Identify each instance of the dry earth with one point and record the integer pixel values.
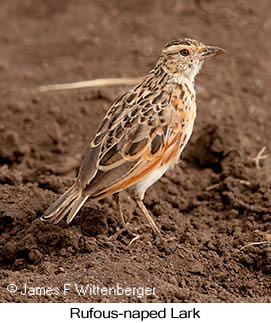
(214, 203)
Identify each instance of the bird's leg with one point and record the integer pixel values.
(119, 210)
(148, 216)
(122, 221)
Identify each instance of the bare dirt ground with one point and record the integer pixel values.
(208, 208)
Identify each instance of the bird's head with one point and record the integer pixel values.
(183, 58)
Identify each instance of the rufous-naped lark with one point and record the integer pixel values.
(142, 135)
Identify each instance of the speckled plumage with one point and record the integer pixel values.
(143, 133)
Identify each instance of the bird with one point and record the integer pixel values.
(142, 134)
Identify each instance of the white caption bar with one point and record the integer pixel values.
(146, 312)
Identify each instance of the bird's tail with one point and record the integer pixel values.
(68, 204)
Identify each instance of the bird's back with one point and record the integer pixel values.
(144, 129)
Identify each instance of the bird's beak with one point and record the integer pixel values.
(210, 51)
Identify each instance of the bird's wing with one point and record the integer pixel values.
(140, 132)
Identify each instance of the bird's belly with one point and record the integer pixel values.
(140, 187)
(146, 182)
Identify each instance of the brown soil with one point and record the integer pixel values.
(209, 207)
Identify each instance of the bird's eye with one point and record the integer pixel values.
(184, 52)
